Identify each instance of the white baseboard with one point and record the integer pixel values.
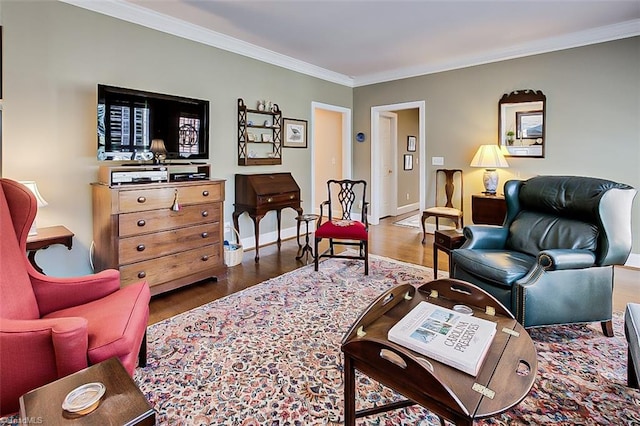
(408, 208)
(633, 261)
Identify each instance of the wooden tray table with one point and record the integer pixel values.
(504, 380)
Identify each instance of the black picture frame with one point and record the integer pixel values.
(408, 161)
(411, 143)
(294, 133)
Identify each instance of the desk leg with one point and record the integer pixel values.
(256, 230)
(279, 217)
(349, 392)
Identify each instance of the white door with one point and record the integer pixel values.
(388, 137)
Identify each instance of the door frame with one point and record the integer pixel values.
(375, 153)
(347, 168)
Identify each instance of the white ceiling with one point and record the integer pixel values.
(358, 42)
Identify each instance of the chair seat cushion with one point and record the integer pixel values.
(449, 211)
(343, 229)
(114, 321)
(500, 266)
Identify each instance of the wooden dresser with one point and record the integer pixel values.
(139, 230)
(260, 193)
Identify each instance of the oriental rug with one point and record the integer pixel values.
(270, 355)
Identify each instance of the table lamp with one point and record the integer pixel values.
(490, 158)
(31, 185)
(159, 151)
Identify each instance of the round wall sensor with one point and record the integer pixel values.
(360, 137)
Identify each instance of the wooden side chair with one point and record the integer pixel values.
(340, 227)
(445, 177)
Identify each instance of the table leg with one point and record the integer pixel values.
(256, 230)
(435, 261)
(32, 259)
(279, 217)
(349, 393)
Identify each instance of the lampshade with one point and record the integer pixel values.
(157, 146)
(490, 158)
(31, 185)
(34, 188)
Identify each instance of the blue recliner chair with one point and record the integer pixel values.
(552, 260)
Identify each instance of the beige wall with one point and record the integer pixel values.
(593, 115)
(55, 54)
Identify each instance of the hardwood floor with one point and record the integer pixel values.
(386, 239)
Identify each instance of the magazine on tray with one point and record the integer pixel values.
(456, 339)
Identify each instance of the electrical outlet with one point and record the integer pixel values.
(437, 161)
(407, 195)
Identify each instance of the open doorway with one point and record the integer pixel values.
(379, 117)
(330, 148)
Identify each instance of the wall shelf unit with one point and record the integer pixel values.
(259, 135)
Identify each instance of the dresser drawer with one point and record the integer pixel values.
(165, 219)
(163, 198)
(175, 266)
(147, 246)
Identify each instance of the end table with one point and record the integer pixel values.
(445, 240)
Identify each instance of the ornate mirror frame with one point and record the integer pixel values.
(521, 123)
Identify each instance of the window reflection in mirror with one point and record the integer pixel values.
(521, 123)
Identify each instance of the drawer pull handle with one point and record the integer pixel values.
(205, 193)
(141, 222)
(142, 274)
(205, 213)
(140, 247)
(205, 235)
(142, 200)
(269, 200)
(205, 258)
(291, 197)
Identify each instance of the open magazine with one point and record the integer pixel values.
(456, 339)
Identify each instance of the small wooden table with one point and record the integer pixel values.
(504, 380)
(306, 249)
(46, 237)
(122, 404)
(445, 240)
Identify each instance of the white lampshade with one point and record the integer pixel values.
(31, 185)
(490, 158)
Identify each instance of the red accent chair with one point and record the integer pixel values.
(53, 327)
(340, 228)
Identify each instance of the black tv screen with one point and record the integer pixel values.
(128, 120)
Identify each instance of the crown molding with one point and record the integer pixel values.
(147, 18)
(583, 38)
(133, 13)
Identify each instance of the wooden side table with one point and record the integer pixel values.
(122, 404)
(488, 209)
(46, 237)
(306, 249)
(445, 240)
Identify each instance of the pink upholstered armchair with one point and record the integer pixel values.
(52, 327)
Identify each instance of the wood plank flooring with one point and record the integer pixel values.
(397, 242)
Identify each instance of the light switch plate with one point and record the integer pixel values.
(437, 161)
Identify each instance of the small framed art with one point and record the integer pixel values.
(408, 161)
(295, 133)
(411, 143)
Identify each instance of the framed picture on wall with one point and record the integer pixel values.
(408, 161)
(295, 133)
(411, 143)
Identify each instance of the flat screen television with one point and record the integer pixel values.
(129, 120)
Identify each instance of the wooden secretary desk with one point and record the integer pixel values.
(260, 193)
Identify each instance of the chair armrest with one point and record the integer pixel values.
(555, 260)
(485, 237)
(54, 294)
(35, 345)
(322, 204)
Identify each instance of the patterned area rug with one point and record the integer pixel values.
(271, 355)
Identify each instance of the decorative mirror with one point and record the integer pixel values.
(521, 119)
